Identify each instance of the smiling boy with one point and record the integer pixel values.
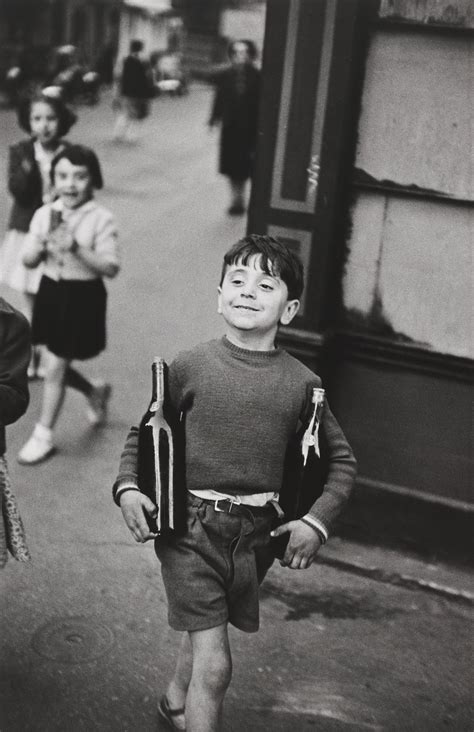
(242, 400)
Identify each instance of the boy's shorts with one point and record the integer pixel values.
(213, 572)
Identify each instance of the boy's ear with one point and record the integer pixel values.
(291, 308)
(219, 292)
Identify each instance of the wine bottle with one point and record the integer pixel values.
(159, 477)
(305, 469)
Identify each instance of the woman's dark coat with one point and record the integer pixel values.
(135, 80)
(236, 108)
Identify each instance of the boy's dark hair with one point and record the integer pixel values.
(276, 259)
(136, 46)
(66, 117)
(80, 155)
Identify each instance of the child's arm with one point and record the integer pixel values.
(217, 105)
(309, 533)
(127, 495)
(22, 176)
(14, 359)
(104, 257)
(34, 248)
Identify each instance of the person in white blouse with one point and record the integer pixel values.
(76, 240)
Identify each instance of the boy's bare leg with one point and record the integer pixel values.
(211, 675)
(178, 687)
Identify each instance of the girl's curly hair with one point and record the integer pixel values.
(66, 117)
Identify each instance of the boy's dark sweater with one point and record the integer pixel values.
(241, 408)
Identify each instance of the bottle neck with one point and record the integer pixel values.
(158, 384)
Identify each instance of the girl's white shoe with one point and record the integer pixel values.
(39, 447)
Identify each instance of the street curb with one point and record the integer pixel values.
(400, 580)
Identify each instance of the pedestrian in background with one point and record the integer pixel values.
(76, 238)
(235, 107)
(241, 400)
(135, 88)
(14, 397)
(47, 119)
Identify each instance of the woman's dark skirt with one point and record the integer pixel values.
(237, 152)
(69, 317)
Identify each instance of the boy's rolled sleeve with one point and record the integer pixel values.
(341, 474)
(127, 477)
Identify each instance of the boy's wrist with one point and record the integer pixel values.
(122, 489)
(317, 526)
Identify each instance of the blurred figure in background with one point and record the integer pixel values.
(235, 107)
(46, 119)
(135, 88)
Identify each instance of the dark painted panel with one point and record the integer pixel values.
(408, 429)
(303, 96)
(332, 223)
(328, 224)
(272, 72)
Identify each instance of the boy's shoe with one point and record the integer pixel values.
(39, 447)
(98, 403)
(167, 714)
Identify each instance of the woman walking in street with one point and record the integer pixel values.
(235, 107)
(77, 239)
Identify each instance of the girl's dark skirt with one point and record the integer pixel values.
(69, 317)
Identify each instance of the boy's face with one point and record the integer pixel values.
(72, 183)
(253, 301)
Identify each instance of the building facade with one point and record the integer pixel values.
(378, 92)
(37, 26)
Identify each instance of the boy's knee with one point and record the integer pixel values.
(214, 673)
(217, 677)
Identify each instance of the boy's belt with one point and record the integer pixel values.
(227, 505)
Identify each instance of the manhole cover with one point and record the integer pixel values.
(72, 640)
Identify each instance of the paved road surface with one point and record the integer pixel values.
(84, 642)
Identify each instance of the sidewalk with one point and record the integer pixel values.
(398, 568)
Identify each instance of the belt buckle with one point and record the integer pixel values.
(221, 510)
